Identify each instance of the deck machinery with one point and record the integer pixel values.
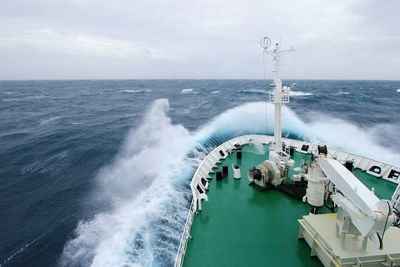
(342, 238)
(363, 231)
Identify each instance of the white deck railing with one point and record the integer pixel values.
(212, 158)
(185, 235)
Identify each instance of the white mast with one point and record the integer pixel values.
(280, 95)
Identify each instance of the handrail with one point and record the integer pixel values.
(244, 139)
(185, 235)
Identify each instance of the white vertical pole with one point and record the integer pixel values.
(278, 128)
(278, 105)
(278, 97)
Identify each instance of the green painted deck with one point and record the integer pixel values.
(243, 225)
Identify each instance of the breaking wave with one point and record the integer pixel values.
(187, 91)
(147, 184)
(300, 93)
(261, 91)
(135, 91)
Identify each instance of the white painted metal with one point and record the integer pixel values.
(349, 185)
(279, 96)
(396, 198)
(185, 235)
(316, 182)
(212, 158)
(360, 211)
(319, 232)
(236, 172)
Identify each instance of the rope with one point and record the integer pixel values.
(293, 64)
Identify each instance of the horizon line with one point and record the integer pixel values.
(133, 79)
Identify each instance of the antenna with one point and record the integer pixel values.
(265, 42)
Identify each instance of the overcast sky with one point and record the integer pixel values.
(135, 39)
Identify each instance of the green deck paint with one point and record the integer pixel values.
(244, 225)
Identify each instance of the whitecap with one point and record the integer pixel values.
(187, 91)
(135, 91)
(300, 93)
(130, 115)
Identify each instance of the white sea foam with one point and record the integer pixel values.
(398, 90)
(300, 93)
(140, 185)
(187, 91)
(135, 91)
(146, 182)
(259, 148)
(130, 115)
(215, 92)
(261, 91)
(322, 129)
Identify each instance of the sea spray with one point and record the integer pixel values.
(147, 183)
(147, 186)
(322, 129)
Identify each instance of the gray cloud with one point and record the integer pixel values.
(196, 39)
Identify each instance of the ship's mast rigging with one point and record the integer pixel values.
(280, 94)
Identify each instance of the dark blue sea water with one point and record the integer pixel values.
(97, 172)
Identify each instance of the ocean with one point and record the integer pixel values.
(97, 172)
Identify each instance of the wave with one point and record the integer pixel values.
(146, 188)
(194, 107)
(43, 122)
(147, 183)
(398, 90)
(135, 91)
(342, 93)
(52, 165)
(252, 91)
(22, 249)
(187, 91)
(215, 92)
(261, 91)
(300, 93)
(130, 115)
(17, 99)
(27, 245)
